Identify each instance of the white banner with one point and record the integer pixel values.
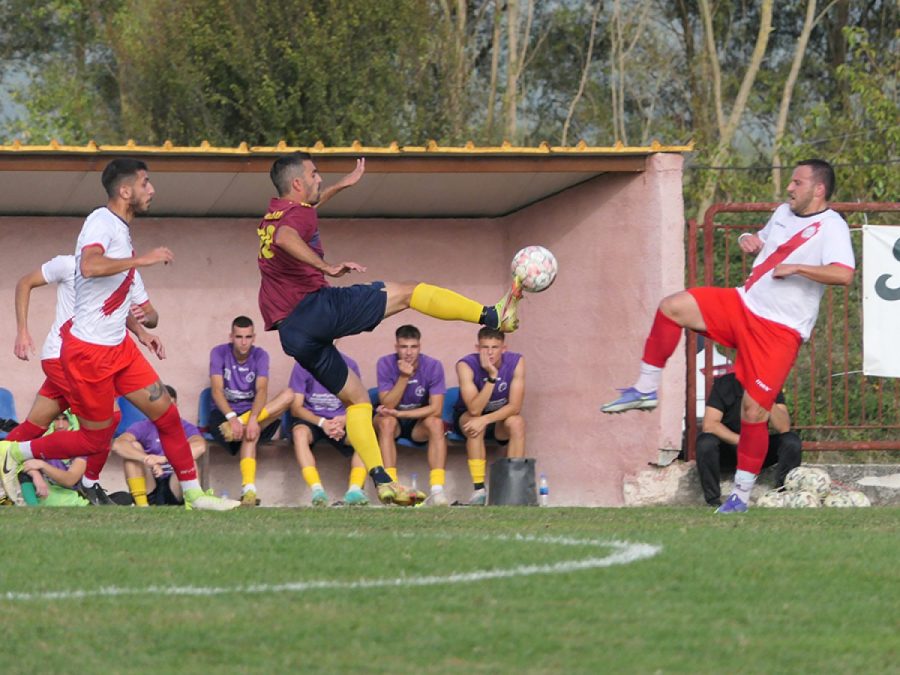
(881, 300)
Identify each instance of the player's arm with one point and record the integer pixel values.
(301, 412)
(259, 402)
(351, 178)
(24, 344)
(146, 314)
(475, 400)
(391, 398)
(712, 424)
(831, 275)
(290, 241)
(126, 446)
(65, 477)
(95, 264)
(780, 418)
(149, 340)
(516, 396)
(198, 445)
(434, 408)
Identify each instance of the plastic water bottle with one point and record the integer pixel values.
(543, 491)
(414, 481)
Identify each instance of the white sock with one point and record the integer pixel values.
(316, 486)
(246, 488)
(25, 449)
(87, 482)
(437, 488)
(190, 485)
(743, 484)
(649, 379)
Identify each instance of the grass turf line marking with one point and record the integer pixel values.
(623, 553)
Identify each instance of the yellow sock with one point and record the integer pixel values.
(392, 472)
(248, 471)
(357, 477)
(437, 477)
(311, 475)
(445, 304)
(138, 488)
(263, 415)
(477, 469)
(361, 434)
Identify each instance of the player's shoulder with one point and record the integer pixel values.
(59, 268)
(350, 361)
(285, 212)
(430, 361)
(832, 217)
(387, 359)
(468, 359)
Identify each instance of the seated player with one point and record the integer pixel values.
(318, 414)
(239, 381)
(717, 444)
(411, 390)
(491, 392)
(52, 482)
(140, 448)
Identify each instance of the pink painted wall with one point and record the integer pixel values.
(619, 241)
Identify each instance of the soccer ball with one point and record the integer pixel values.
(773, 499)
(536, 267)
(810, 479)
(839, 500)
(792, 480)
(801, 500)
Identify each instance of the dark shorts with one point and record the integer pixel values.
(406, 429)
(162, 494)
(341, 446)
(309, 331)
(488, 432)
(234, 447)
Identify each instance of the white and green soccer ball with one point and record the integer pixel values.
(801, 500)
(808, 479)
(536, 267)
(774, 499)
(839, 500)
(859, 498)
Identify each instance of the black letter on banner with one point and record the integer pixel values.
(881, 287)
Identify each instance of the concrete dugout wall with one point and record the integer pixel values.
(619, 241)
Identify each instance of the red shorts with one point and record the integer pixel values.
(766, 350)
(56, 386)
(96, 373)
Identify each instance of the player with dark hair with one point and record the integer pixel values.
(295, 299)
(491, 393)
(804, 247)
(98, 358)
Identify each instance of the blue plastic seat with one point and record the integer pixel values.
(450, 399)
(130, 415)
(7, 408)
(203, 408)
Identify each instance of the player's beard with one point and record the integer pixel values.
(140, 208)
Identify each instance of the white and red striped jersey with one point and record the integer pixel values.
(793, 301)
(60, 271)
(102, 303)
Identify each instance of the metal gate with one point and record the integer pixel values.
(832, 404)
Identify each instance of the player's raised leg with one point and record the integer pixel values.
(675, 312)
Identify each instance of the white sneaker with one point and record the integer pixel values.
(207, 501)
(478, 498)
(437, 499)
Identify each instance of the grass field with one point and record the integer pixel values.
(493, 590)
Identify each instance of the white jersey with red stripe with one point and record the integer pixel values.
(793, 301)
(60, 271)
(102, 303)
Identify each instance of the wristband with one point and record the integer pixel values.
(321, 422)
(745, 234)
(230, 415)
(492, 380)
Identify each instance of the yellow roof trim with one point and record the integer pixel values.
(357, 148)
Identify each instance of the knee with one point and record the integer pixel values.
(707, 447)
(384, 423)
(516, 426)
(434, 426)
(791, 447)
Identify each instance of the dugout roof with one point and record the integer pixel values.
(401, 181)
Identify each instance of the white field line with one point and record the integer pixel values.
(622, 553)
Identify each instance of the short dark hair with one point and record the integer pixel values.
(242, 322)
(822, 173)
(172, 393)
(488, 333)
(117, 171)
(408, 332)
(280, 173)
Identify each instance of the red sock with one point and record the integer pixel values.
(67, 444)
(25, 432)
(97, 461)
(663, 338)
(175, 444)
(752, 446)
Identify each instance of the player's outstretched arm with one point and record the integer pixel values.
(291, 243)
(95, 264)
(24, 344)
(351, 178)
(831, 275)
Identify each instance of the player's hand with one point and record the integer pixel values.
(139, 314)
(406, 369)
(33, 465)
(474, 426)
(24, 346)
(158, 255)
(343, 268)
(334, 428)
(251, 431)
(750, 244)
(153, 343)
(785, 270)
(386, 412)
(237, 429)
(41, 489)
(485, 361)
(353, 177)
(155, 463)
